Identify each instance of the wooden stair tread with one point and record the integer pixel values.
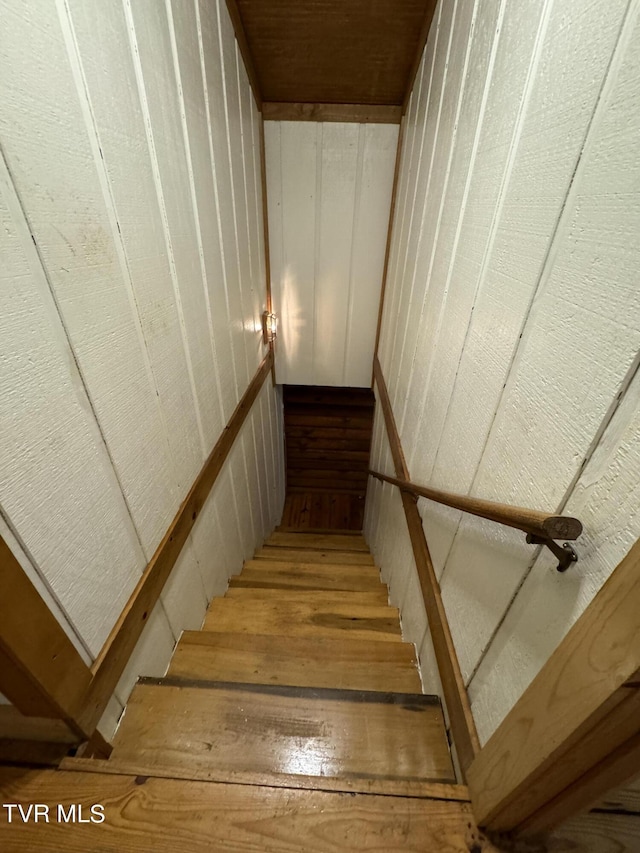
(333, 541)
(273, 730)
(294, 577)
(326, 598)
(306, 580)
(172, 815)
(297, 619)
(296, 555)
(299, 661)
(282, 528)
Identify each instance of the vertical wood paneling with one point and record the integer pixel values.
(152, 406)
(59, 490)
(329, 191)
(155, 73)
(228, 283)
(512, 324)
(241, 294)
(187, 46)
(398, 243)
(133, 282)
(335, 215)
(376, 149)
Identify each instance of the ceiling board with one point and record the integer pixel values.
(334, 51)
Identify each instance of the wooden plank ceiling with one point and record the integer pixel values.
(335, 51)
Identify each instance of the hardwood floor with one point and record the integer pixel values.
(328, 440)
(292, 722)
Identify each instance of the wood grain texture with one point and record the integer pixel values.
(360, 113)
(580, 692)
(304, 662)
(329, 187)
(266, 573)
(310, 510)
(322, 597)
(318, 541)
(42, 673)
(328, 556)
(337, 53)
(596, 833)
(233, 817)
(287, 731)
(369, 622)
(531, 521)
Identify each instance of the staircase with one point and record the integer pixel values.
(293, 721)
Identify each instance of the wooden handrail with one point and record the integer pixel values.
(539, 524)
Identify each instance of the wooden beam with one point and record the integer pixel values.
(619, 767)
(455, 695)
(387, 251)
(558, 744)
(125, 634)
(245, 51)
(41, 672)
(422, 40)
(360, 113)
(529, 520)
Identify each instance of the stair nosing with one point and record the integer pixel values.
(425, 700)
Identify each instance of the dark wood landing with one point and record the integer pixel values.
(322, 511)
(328, 440)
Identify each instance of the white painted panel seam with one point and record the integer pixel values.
(50, 304)
(163, 212)
(73, 51)
(316, 247)
(196, 215)
(356, 214)
(506, 176)
(20, 551)
(413, 205)
(230, 162)
(463, 204)
(223, 259)
(617, 58)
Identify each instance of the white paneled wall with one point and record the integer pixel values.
(511, 328)
(329, 191)
(132, 285)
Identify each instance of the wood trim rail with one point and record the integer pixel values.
(110, 664)
(529, 520)
(41, 671)
(360, 113)
(575, 731)
(455, 695)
